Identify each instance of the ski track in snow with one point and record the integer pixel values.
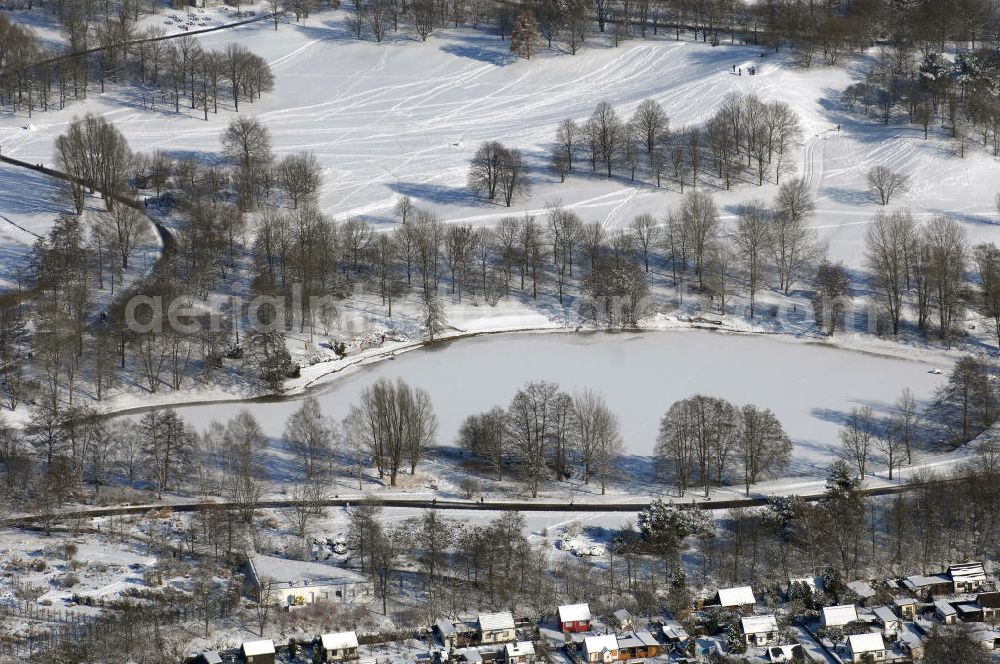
(404, 117)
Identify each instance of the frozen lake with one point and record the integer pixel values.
(810, 386)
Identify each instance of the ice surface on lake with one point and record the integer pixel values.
(811, 387)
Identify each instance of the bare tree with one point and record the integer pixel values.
(310, 435)
(793, 243)
(385, 263)
(127, 228)
(987, 260)
(762, 444)
(697, 436)
(567, 136)
(300, 175)
(166, 447)
(94, 154)
(513, 181)
(484, 173)
(598, 437)
(396, 422)
(701, 220)
(646, 233)
(243, 447)
(529, 425)
(944, 256)
(903, 422)
(885, 183)
(889, 243)
(404, 207)
(966, 404)
(605, 132)
(263, 600)
(652, 125)
(752, 239)
(246, 143)
(424, 14)
(307, 501)
(387, 548)
(857, 437)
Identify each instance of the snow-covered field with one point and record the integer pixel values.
(404, 117)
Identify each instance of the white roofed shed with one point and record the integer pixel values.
(838, 616)
(740, 596)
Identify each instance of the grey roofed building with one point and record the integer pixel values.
(639, 639)
(624, 618)
(675, 632)
(928, 586)
(297, 582)
(967, 577)
(945, 612)
(862, 589)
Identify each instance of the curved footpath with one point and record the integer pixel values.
(166, 238)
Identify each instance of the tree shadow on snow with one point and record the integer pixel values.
(474, 47)
(848, 196)
(331, 30)
(27, 192)
(978, 220)
(437, 193)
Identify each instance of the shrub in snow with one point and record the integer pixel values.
(666, 522)
(470, 486)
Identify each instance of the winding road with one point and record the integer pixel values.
(431, 503)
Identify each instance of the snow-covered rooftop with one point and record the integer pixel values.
(759, 624)
(967, 573)
(495, 621)
(622, 615)
(860, 643)
(885, 615)
(445, 627)
(574, 612)
(740, 596)
(922, 581)
(862, 589)
(519, 649)
(339, 640)
(944, 608)
(675, 632)
(838, 616)
(636, 639)
(260, 647)
(301, 573)
(596, 644)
